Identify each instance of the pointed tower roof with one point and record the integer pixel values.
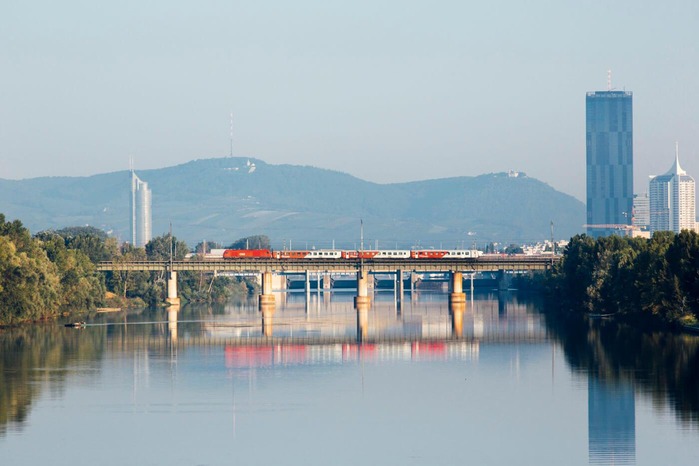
(676, 169)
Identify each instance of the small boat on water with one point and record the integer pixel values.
(75, 324)
(107, 309)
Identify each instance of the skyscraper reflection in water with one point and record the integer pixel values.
(611, 422)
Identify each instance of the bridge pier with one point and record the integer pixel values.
(307, 284)
(362, 289)
(172, 298)
(456, 285)
(400, 285)
(327, 281)
(266, 296)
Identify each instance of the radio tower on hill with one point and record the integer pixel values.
(231, 153)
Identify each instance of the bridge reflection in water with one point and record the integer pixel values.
(425, 321)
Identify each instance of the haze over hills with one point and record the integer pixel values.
(224, 199)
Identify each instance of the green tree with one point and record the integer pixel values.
(159, 248)
(29, 283)
(128, 283)
(514, 249)
(81, 287)
(252, 242)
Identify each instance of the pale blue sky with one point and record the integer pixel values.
(385, 90)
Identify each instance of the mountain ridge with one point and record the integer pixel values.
(222, 199)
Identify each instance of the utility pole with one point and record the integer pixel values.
(361, 234)
(171, 246)
(553, 245)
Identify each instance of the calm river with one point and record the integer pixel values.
(321, 384)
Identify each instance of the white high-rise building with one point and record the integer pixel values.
(641, 211)
(672, 200)
(141, 218)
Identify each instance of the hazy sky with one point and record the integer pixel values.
(385, 90)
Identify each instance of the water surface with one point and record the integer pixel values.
(321, 383)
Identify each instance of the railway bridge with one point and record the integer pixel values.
(267, 267)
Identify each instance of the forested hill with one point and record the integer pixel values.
(227, 198)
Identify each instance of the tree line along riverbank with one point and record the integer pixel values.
(53, 273)
(648, 282)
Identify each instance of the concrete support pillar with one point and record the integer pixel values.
(414, 281)
(400, 285)
(266, 296)
(172, 298)
(362, 288)
(327, 281)
(456, 285)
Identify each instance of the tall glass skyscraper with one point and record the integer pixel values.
(141, 220)
(609, 157)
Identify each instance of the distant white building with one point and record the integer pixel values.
(641, 211)
(141, 216)
(672, 200)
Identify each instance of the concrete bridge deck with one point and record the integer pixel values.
(512, 263)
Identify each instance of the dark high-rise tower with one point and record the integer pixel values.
(609, 140)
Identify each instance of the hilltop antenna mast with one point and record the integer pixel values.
(609, 80)
(231, 153)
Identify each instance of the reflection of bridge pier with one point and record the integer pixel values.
(267, 312)
(172, 323)
(457, 310)
(400, 289)
(503, 296)
(362, 321)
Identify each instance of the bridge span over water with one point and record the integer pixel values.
(465, 265)
(456, 267)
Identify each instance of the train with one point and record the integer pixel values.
(378, 254)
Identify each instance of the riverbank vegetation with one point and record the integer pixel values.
(40, 277)
(618, 356)
(649, 282)
(53, 273)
